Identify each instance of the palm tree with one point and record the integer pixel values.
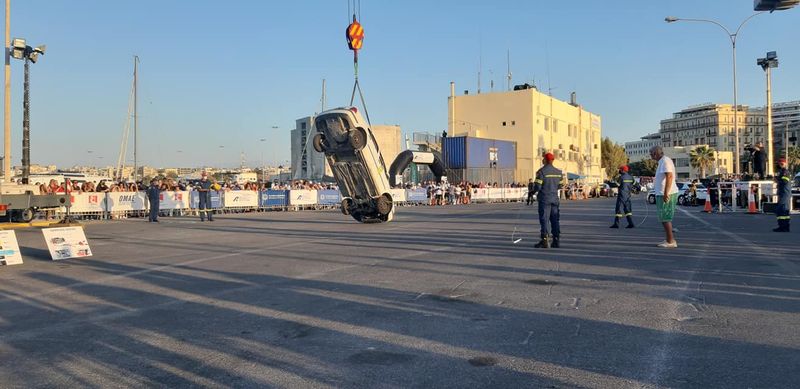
(702, 158)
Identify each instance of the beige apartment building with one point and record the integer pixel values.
(681, 156)
(538, 123)
(712, 125)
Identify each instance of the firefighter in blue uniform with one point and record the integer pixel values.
(624, 198)
(204, 192)
(784, 196)
(154, 198)
(548, 180)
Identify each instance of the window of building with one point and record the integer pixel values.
(513, 122)
(504, 124)
(303, 125)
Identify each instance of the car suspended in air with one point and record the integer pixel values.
(356, 162)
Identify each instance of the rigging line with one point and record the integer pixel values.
(359, 9)
(348, 11)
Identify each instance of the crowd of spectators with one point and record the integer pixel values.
(169, 184)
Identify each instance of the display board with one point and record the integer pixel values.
(66, 242)
(9, 248)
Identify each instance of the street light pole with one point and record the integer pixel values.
(7, 99)
(732, 37)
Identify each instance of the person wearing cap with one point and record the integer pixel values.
(759, 161)
(530, 192)
(784, 179)
(546, 184)
(154, 199)
(204, 189)
(624, 198)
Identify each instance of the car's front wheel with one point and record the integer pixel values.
(346, 204)
(384, 204)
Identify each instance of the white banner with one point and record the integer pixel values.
(422, 157)
(480, 194)
(9, 248)
(88, 202)
(302, 197)
(515, 193)
(66, 242)
(495, 193)
(398, 195)
(126, 201)
(174, 200)
(241, 198)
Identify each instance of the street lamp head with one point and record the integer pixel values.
(40, 49)
(671, 19)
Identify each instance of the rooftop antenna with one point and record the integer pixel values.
(508, 62)
(322, 100)
(480, 64)
(547, 64)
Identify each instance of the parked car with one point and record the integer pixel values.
(353, 155)
(684, 198)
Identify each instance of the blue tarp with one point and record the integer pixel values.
(273, 198)
(328, 197)
(194, 199)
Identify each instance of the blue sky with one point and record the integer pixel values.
(224, 73)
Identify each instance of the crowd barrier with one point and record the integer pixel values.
(123, 204)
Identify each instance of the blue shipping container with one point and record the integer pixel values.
(469, 153)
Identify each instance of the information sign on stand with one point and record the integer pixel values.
(9, 248)
(66, 242)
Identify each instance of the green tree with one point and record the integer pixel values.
(793, 159)
(702, 158)
(645, 167)
(612, 155)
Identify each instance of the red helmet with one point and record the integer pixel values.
(549, 157)
(624, 168)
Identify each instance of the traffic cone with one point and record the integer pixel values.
(707, 207)
(751, 203)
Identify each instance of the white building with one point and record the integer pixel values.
(640, 149)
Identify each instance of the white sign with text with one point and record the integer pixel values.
(66, 242)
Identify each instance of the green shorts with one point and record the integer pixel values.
(666, 211)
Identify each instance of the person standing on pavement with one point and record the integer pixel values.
(784, 179)
(548, 179)
(154, 198)
(204, 194)
(530, 192)
(759, 161)
(666, 194)
(624, 198)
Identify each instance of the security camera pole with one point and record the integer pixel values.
(20, 50)
(767, 63)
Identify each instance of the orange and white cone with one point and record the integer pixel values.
(707, 206)
(751, 203)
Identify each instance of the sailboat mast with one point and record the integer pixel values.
(135, 119)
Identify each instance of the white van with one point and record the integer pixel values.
(353, 155)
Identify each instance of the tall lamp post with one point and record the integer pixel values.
(732, 36)
(20, 50)
(767, 63)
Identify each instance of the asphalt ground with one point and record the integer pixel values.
(440, 297)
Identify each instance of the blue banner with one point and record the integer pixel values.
(216, 199)
(416, 195)
(273, 198)
(328, 197)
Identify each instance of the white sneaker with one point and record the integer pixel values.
(668, 245)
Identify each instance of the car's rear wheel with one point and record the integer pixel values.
(384, 204)
(358, 138)
(319, 143)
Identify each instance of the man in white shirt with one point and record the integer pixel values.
(666, 193)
